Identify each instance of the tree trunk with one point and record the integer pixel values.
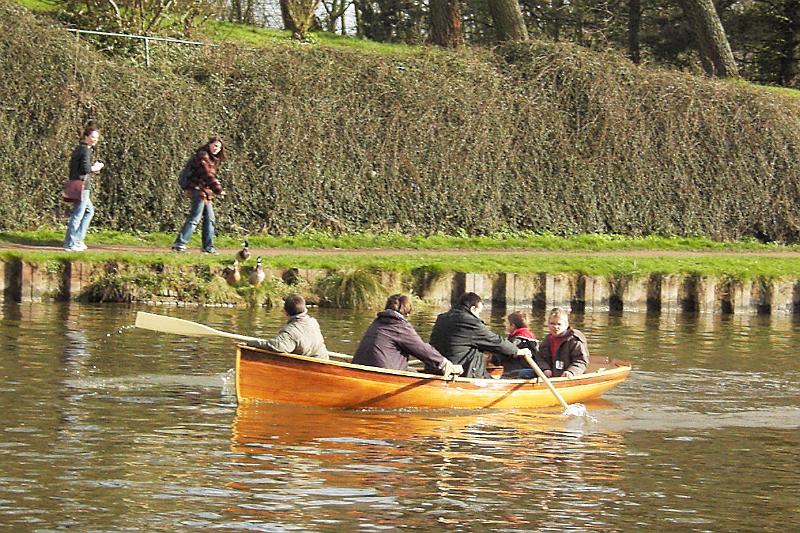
(298, 16)
(508, 22)
(446, 23)
(715, 50)
(790, 52)
(554, 24)
(288, 24)
(236, 7)
(634, 25)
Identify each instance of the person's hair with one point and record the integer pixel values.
(400, 303)
(560, 312)
(88, 130)
(469, 300)
(211, 140)
(518, 319)
(294, 304)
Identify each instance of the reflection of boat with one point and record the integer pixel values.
(299, 380)
(256, 423)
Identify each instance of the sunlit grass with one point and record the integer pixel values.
(154, 248)
(223, 31)
(785, 91)
(391, 240)
(40, 5)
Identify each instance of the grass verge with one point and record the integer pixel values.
(467, 254)
(365, 241)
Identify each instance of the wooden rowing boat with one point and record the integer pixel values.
(294, 379)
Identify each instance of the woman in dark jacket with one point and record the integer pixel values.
(203, 186)
(390, 340)
(81, 167)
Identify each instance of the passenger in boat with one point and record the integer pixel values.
(564, 351)
(301, 335)
(462, 337)
(391, 339)
(522, 337)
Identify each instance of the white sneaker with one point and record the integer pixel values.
(81, 246)
(74, 248)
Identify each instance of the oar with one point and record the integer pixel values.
(179, 326)
(576, 409)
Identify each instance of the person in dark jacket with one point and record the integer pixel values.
(564, 351)
(203, 186)
(462, 337)
(82, 168)
(522, 337)
(390, 340)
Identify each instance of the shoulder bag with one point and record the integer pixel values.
(73, 190)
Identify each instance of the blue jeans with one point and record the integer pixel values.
(79, 219)
(200, 208)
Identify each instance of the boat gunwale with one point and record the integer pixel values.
(600, 375)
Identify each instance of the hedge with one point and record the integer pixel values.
(538, 136)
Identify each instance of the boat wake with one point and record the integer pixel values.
(656, 419)
(222, 381)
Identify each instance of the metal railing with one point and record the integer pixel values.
(145, 38)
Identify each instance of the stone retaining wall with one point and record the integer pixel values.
(21, 281)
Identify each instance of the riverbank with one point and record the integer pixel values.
(621, 275)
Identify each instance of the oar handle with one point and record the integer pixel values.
(547, 382)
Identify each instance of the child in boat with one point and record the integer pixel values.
(564, 351)
(515, 367)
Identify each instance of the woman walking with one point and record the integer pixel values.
(203, 185)
(82, 168)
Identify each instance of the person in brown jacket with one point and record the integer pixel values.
(203, 185)
(564, 351)
(391, 339)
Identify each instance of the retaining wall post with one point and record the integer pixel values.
(559, 290)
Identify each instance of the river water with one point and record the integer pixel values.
(109, 428)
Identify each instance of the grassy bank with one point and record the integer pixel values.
(598, 255)
(398, 241)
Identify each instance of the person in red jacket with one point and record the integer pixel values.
(564, 351)
(391, 339)
(203, 186)
(522, 337)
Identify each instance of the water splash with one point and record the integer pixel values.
(229, 383)
(121, 330)
(578, 410)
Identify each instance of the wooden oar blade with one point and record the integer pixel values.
(179, 326)
(168, 324)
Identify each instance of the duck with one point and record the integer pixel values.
(258, 275)
(231, 273)
(243, 254)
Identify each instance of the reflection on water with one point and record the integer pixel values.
(106, 428)
(411, 468)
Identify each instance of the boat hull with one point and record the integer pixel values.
(263, 376)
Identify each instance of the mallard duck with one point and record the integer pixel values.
(258, 275)
(243, 254)
(231, 273)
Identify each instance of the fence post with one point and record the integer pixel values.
(147, 52)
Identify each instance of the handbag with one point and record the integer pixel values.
(73, 190)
